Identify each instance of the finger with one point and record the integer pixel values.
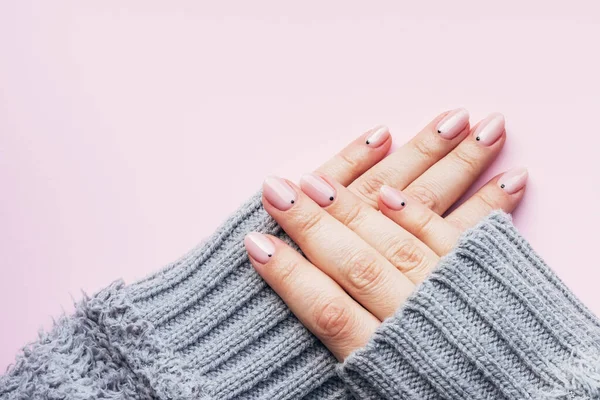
(364, 273)
(447, 180)
(503, 192)
(403, 250)
(411, 160)
(418, 219)
(360, 155)
(316, 300)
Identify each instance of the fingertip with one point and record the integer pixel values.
(435, 121)
(453, 124)
(513, 180)
(490, 130)
(464, 110)
(378, 136)
(392, 198)
(279, 193)
(319, 188)
(259, 246)
(358, 156)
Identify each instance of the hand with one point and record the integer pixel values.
(361, 264)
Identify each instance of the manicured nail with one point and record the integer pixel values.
(453, 123)
(392, 198)
(490, 129)
(378, 135)
(317, 189)
(279, 193)
(259, 247)
(513, 180)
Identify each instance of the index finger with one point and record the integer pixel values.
(317, 300)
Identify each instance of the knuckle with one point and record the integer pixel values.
(425, 195)
(348, 162)
(423, 221)
(353, 216)
(425, 149)
(333, 319)
(466, 161)
(486, 200)
(308, 223)
(364, 272)
(286, 273)
(368, 188)
(406, 255)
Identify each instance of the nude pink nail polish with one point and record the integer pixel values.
(279, 193)
(513, 180)
(490, 129)
(378, 136)
(318, 189)
(392, 198)
(259, 247)
(453, 123)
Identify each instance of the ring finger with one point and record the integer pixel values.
(402, 249)
(447, 180)
(407, 163)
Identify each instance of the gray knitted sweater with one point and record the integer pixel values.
(492, 322)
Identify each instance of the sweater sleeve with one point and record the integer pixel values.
(492, 322)
(204, 327)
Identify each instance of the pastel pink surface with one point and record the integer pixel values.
(130, 130)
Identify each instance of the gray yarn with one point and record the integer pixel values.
(493, 322)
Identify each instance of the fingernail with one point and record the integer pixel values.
(259, 247)
(490, 129)
(279, 193)
(317, 189)
(392, 198)
(453, 123)
(513, 180)
(378, 135)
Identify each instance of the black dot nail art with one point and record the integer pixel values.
(368, 142)
(478, 138)
(292, 201)
(403, 204)
(503, 186)
(331, 198)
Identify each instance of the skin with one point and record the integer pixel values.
(364, 259)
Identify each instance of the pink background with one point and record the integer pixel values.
(130, 129)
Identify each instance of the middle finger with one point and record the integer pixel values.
(407, 163)
(448, 179)
(407, 253)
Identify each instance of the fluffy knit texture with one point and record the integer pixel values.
(492, 322)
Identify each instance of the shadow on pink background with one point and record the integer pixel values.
(130, 130)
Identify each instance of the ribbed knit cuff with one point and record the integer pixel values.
(492, 322)
(208, 327)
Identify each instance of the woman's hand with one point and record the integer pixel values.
(362, 264)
